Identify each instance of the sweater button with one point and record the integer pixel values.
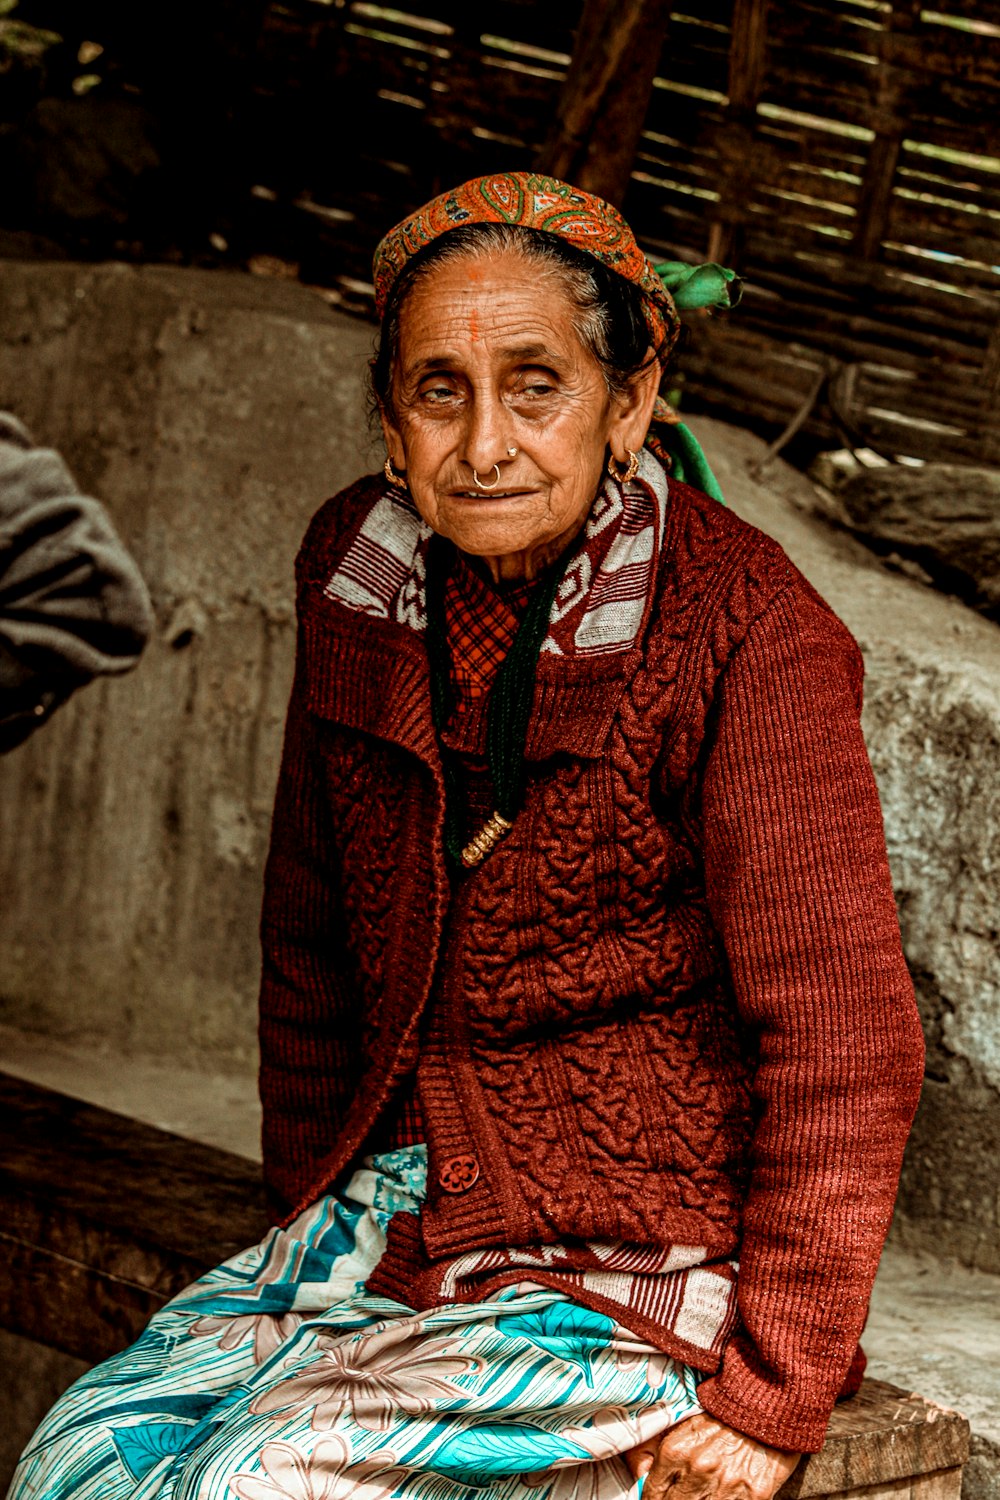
(458, 1174)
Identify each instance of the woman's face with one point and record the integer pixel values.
(489, 360)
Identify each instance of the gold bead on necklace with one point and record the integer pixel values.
(485, 840)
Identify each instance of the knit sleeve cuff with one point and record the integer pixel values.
(767, 1405)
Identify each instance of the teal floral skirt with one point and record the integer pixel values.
(279, 1377)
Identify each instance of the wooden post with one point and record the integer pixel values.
(747, 69)
(875, 199)
(885, 1444)
(604, 99)
(747, 54)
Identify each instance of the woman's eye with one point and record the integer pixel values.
(535, 388)
(436, 394)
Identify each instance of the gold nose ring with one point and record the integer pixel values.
(481, 485)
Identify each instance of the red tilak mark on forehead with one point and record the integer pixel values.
(474, 326)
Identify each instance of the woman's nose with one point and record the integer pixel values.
(487, 438)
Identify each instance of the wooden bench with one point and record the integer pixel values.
(103, 1219)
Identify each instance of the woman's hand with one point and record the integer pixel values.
(702, 1459)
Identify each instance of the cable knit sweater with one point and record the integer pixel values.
(671, 1009)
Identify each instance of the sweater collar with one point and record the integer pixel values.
(367, 665)
(601, 603)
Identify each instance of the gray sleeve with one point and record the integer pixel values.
(73, 604)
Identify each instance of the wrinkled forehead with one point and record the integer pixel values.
(500, 302)
(489, 270)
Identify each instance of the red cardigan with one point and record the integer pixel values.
(671, 1008)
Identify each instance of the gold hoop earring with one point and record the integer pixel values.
(630, 471)
(397, 481)
(481, 485)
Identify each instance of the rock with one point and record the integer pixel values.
(945, 517)
(834, 467)
(213, 413)
(934, 1327)
(89, 165)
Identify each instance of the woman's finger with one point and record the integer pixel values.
(641, 1458)
(667, 1477)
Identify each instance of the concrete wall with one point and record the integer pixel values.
(213, 413)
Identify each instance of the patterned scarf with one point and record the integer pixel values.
(604, 593)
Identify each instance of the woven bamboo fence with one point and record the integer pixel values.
(842, 155)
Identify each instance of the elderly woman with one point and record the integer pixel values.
(588, 1047)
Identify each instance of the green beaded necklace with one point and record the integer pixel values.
(507, 714)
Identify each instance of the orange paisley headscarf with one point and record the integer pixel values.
(533, 202)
